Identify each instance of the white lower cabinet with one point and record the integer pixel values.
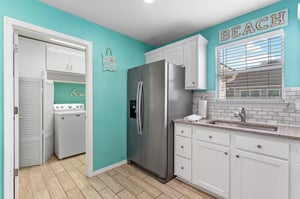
(260, 168)
(183, 152)
(296, 177)
(183, 168)
(235, 165)
(297, 183)
(258, 176)
(211, 167)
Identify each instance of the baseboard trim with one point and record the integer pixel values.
(109, 167)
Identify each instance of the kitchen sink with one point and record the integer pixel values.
(245, 125)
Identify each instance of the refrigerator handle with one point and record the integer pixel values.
(141, 108)
(137, 108)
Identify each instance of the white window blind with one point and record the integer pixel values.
(251, 69)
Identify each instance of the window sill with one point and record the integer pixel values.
(257, 103)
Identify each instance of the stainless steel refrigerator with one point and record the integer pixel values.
(155, 96)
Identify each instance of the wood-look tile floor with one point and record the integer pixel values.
(63, 179)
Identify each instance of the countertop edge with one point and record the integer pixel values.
(286, 132)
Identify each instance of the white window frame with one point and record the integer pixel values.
(249, 92)
(249, 39)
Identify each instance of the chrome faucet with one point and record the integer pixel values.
(241, 114)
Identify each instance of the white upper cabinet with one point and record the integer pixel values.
(195, 63)
(57, 59)
(174, 54)
(63, 59)
(153, 56)
(77, 61)
(189, 53)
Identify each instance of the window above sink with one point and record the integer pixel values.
(252, 68)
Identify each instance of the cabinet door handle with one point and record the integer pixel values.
(193, 82)
(259, 146)
(226, 153)
(237, 156)
(210, 137)
(182, 131)
(181, 147)
(182, 168)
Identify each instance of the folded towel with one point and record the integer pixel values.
(193, 118)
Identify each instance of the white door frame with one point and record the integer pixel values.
(11, 25)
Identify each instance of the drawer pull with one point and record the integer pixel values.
(259, 146)
(210, 137)
(237, 156)
(182, 131)
(226, 153)
(182, 168)
(181, 147)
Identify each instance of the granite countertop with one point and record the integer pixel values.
(283, 131)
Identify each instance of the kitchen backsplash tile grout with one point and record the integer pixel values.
(264, 113)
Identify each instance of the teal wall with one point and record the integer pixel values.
(292, 42)
(62, 93)
(109, 89)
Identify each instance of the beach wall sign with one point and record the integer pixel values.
(269, 22)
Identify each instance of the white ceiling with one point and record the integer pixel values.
(161, 21)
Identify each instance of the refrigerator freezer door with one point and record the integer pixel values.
(154, 120)
(156, 96)
(133, 142)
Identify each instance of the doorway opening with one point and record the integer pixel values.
(12, 30)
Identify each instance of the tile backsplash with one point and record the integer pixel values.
(273, 113)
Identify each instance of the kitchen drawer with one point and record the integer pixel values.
(183, 146)
(211, 135)
(183, 167)
(183, 130)
(263, 146)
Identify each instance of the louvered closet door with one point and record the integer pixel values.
(30, 121)
(48, 100)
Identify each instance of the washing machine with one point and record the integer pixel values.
(69, 133)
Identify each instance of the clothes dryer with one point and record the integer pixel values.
(69, 134)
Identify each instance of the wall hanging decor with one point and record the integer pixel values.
(109, 61)
(77, 93)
